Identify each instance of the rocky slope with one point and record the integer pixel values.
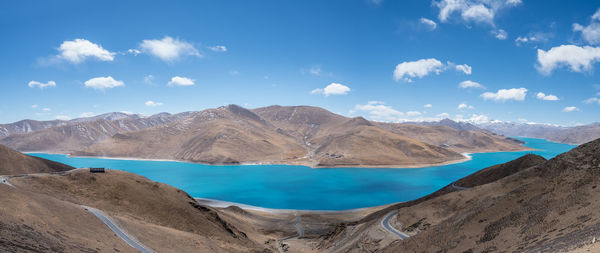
(44, 213)
(526, 205)
(291, 135)
(65, 136)
(13, 163)
(276, 134)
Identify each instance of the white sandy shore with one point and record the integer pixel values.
(224, 204)
(467, 157)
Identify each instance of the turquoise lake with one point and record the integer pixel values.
(300, 187)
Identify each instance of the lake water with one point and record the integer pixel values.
(300, 187)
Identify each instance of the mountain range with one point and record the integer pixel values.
(572, 135)
(529, 204)
(276, 134)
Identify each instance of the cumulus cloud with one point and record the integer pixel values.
(332, 89)
(378, 111)
(428, 106)
(464, 68)
(465, 106)
(78, 50)
(570, 109)
(591, 32)
(87, 114)
(473, 11)
(168, 49)
(63, 117)
(412, 113)
(506, 94)
(430, 24)
(577, 59)
(592, 100)
(408, 70)
(41, 85)
(180, 81)
(500, 34)
(149, 79)
(101, 83)
(475, 119)
(218, 48)
(533, 37)
(151, 103)
(549, 97)
(470, 84)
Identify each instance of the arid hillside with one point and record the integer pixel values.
(66, 136)
(14, 163)
(526, 205)
(297, 135)
(45, 212)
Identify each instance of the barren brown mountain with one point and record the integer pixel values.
(14, 163)
(526, 205)
(297, 135)
(66, 136)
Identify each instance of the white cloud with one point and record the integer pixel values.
(218, 48)
(476, 119)
(470, 84)
(63, 117)
(151, 103)
(465, 106)
(134, 51)
(591, 32)
(548, 97)
(169, 49)
(149, 79)
(578, 59)
(87, 114)
(592, 100)
(431, 25)
(533, 37)
(34, 106)
(379, 111)
(464, 68)
(506, 94)
(46, 109)
(500, 34)
(180, 81)
(476, 11)
(570, 109)
(315, 71)
(428, 106)
(443, 115)
(408, 70)
(332, 89)
(78, 50)
(41, 85)
(412, 113)
(101, 83)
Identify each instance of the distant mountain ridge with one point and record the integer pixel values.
(571, 135)
(275, 134)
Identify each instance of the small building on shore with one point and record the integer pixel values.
(97, 170)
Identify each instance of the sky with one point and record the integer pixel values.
(470, 60)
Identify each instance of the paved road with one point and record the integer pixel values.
(299, 232)
(385, 223)
(118, 231)
(5, 181)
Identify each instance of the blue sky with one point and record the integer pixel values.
(382, 59)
